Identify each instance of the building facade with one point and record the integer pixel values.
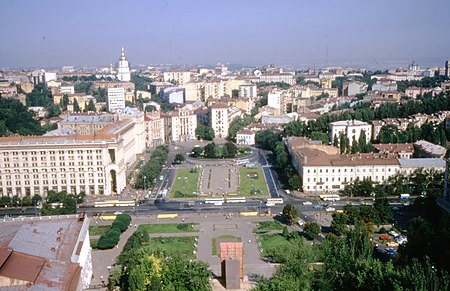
(116, 99)
(351, 129)
(179, 125)
(218, 117)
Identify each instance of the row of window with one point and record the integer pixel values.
(46, 182)
(363, 170)
(46, 176)
(44, 153)
(332, 179)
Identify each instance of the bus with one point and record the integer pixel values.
(235, 199)
(273, 201)
(214, 201)
(330, 197)
(125, 203)
(103, 204)
(241, 162)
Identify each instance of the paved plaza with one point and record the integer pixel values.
(219, 178)
(210, 225)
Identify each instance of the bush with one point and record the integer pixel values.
(184, 227)
(120, 224)
(109, 239)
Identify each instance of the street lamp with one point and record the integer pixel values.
(145, 188)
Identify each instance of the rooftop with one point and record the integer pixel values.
(422, 163)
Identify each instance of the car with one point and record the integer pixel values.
(317, 206)
(395, 208)
(330, 209)
(407, 203)
(307, 203)
(161, 177)
(385, 236)
(392, 244)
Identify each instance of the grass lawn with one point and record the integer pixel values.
(98, 229)
(223, 238)
(170, 245)
(185, 184)
(269, 241)
(266, 226)
(247, 184)
(170, 227)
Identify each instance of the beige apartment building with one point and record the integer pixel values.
(87, 124)
(179, 125)
(181, 77)
(95, 164)
(154, 127)
(218, 117)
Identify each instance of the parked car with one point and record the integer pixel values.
(330, 209)
(307, 203)
(317, 206)
(392, 244)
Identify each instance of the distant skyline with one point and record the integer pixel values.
(365, 33)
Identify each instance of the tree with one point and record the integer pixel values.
(64, 102)
(179, 158)
(323, 137)
(229, 150)
(289, 213)
(204, 132)
(210, 151)
(91, 106)
(312, 229)
(282, 157)
(267, 139)
(197, 152)
(76, 107)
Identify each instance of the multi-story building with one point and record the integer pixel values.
(274, 99)
(355, 87)
(173, 94)
(218, 117)
(247, 90)
(67, 89)
(123, 70)
(180, 77)
(245, 137)
(179, 125)
(49, 253)
(157, 87)
(154, 127)
(94, 164)
(116, 99)
(278, 78)
(87, 124)
(351, 129)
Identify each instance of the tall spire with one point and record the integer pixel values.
(122, 57)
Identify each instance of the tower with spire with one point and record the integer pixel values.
(123, 71)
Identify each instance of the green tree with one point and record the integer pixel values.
(179, 158)
(282, 157)
(323, 137)
(91, 106)
(197, 152)
(230, 149)
(289, 213)
(76, 106)
(312, 229)
(267, 139)
(64, 102)
(204, 132)
(210, 150)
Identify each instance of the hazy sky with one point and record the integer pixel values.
(45, 33)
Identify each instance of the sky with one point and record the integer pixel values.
(297, 33)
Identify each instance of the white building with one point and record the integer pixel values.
(116, 99)
(247, 91)
(123, 70)
(274, 99)
(180, 77)
(49, 76)
(67, 89)
(245, 137)
(218, 117)
(356, 87)
(351, 130)
(173, 94)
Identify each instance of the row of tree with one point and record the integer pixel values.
(434, 133)
(213, 151)
(420, 182)
(204, 132)
(365, 113)
(153, 167)
(270, 140)
(16, 119)
(109, 239)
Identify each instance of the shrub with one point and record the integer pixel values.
(183, 227)
(109, 239)
(120, 224)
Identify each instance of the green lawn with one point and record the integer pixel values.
(170, 245)
(266, 226)
(269, 241)
(170, 227)
(98, 229)
(223, 238)
(247, 184)
(185, 184)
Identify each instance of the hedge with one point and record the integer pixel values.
(109, 239)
